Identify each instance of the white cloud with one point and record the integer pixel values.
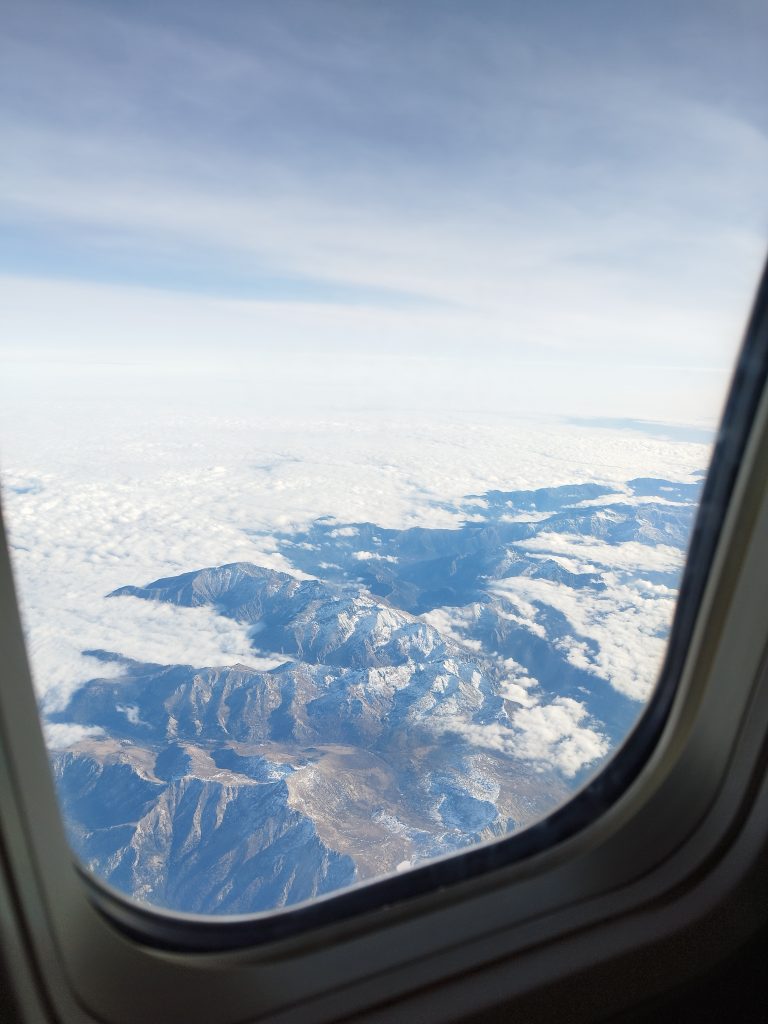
(625, 498)
(527, 614)
(627, 622)
(454, 623)
(518, 684)
(60, 735)
(131, 712)
(368, 556)
(525, 517)
(555, 735)
(140, 630)
(631, 555)
(516, 693)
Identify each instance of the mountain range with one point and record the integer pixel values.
(419, 702)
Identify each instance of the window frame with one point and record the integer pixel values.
(661, 839)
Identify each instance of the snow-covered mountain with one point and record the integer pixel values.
(432, 688)
(310, 620)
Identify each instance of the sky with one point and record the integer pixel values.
(546, 207)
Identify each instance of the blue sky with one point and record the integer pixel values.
(557, 204)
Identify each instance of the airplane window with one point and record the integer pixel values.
(361, 374)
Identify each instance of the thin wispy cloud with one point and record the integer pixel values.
(516, 184)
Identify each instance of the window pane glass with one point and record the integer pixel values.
(360, 372)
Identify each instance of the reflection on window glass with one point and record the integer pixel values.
(361, 369)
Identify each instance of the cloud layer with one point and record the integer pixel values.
(90, 510)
